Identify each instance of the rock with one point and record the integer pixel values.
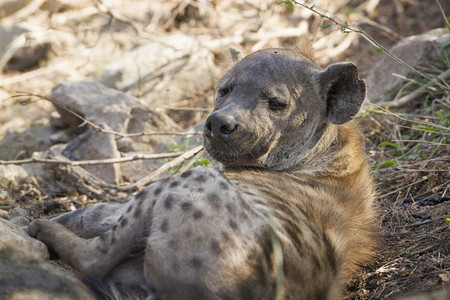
(25, 272)
(165, 72)
(93, 144)
(26, 275)
(20, 143)
(418, 51)
(19, 217)
(13, 235)
(11, 38)
(121, 112)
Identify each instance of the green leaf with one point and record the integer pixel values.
(289, 4)
(393, 145)
(447, 219)
(386, 163)
(378, 49)
(325, 26)
(423, 127)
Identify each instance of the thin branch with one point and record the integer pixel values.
(90, 162)
(388, 112)
(154, 175)
(423, 142)
(345, 27)
(98, 128)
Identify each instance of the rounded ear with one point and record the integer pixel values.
(236, 54)
(343, 90)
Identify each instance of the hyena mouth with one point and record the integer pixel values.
(234, 153)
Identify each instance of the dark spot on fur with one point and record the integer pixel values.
(157, 191)
(165, 225)
(215, 247)
(231, 209)
(130, 207)
(197, 214)
(123, 222)
(214, 199)
(243, 216)
(233, 224)
(113, 240)
(141, 195)
(168, 202)
(196, 262)
(137, 212)
(186, 206)
(174, 244)
(200, 179)
(186, 174)
(103, 250)
(200, 190)
(173, 184)
(114, 228)
(188, 233)
(224, 185)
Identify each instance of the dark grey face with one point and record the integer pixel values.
(273, 105)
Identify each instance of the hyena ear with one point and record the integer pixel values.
(343, 90)
(236, 54)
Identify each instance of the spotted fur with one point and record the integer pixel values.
(290, 217)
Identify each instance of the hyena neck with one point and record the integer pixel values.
(338, 152)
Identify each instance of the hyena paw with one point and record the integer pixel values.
(44, 230)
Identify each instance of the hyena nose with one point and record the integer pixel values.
(221, 125)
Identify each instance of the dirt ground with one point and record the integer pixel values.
(413, 186)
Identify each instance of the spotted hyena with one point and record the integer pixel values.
(290, 217)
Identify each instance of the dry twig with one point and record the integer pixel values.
(97, 127)
(90, 162)
(180, 159)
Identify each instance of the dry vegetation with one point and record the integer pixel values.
(408, 146)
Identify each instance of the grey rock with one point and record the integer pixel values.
(13, 235)
(26, 275)
(91, 145)
(20, 143)
(19, 217)
(424, 50)
(121, 112)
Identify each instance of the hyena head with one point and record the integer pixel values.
(274, 105)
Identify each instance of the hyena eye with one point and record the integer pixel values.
(223, 91)
(276, 104)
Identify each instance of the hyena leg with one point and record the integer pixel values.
(93, 220)
(97, 256)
